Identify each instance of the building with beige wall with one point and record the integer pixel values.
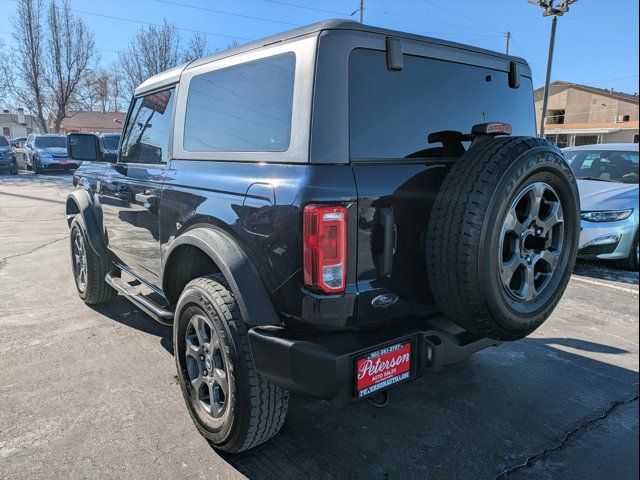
(582, 115)
(85, 121)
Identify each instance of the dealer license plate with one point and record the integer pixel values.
(382, 368)
(63, 161)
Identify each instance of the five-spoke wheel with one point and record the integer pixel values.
(206, 365)
(79, 259)
(531, 241)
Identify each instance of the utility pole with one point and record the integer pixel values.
(508, 40)
(557, 11)
(361, 11)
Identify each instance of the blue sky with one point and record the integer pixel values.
(597, 41)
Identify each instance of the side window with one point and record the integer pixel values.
(146, 137)
(243, 108)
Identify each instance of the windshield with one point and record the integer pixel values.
(3, 142)
(111, 142)
(51, 142)
(604, 165)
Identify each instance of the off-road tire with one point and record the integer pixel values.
(463, 235)
(256, 408)
(631, 262)
(97, 290)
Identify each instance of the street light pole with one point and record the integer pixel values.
(557, 11)
(545, 98)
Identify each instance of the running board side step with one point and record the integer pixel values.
(151, 308)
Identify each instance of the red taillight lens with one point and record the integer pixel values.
(325, 247)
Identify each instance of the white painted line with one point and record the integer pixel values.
(629, 289)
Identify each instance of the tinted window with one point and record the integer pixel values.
(393, 112)
(242, 108)
(3, 142)
(147, 133)
(110, 142)
(604, 165)
(51, 142)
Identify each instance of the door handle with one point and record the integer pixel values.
(147, 200)
(385, 259)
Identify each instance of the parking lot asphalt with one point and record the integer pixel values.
(91, 392)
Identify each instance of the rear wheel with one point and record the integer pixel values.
(503, 237)
(231, 405)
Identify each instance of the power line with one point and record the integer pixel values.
(463, 16)
(345, 14)
(131, 20)
(227, 13)
(614, 79)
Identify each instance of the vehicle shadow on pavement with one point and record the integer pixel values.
(602, 270)
(124, 312)
(475, 419)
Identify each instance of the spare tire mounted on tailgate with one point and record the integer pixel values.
(503, 236)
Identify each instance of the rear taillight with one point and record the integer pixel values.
(325, 247)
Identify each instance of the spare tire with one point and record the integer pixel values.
(503, 236)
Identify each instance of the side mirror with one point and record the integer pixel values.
(85, 147)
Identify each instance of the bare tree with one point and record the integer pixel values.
(26, 77)
(197, 48)
(71, 55)
(152, 50)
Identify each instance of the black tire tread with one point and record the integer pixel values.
(269, 403)
(98, 291)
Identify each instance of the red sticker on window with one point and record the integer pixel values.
(157, 101)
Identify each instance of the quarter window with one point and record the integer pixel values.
(147, 133)
(244, 108)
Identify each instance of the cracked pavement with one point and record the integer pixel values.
(92, 392)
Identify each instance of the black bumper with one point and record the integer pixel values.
(322, 365)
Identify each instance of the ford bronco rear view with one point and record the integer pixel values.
(331, 211)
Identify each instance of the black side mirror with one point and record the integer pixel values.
(84, 146)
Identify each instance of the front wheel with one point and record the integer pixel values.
(89, 268)
(631, 262)
(231, 405)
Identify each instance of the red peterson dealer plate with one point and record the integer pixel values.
(383, 368)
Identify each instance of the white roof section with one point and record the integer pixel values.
(620, 147)
(162, 79)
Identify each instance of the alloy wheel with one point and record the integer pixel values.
(79, 255)
(206, 366)
(531, 241)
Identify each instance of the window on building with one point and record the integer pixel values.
(555, 117)
(6, 131)
(586, 140)
(626, 118)
(562, 141)
(243, 108)
(635, 138)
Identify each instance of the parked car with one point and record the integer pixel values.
(48, 152)
(608, 182)
(7, 157)
(331, 211)
(18, 142)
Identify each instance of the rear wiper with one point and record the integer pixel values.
(596, 179)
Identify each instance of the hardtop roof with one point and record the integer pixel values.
(173, 75)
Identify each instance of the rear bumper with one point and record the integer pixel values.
(323, 365)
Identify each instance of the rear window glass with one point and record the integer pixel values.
(3, 142)
(51, 142)
(242, 108)
(393, 112)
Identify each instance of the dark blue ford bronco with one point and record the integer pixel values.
(331, 211)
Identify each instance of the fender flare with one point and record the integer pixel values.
(82, 201)
(248, 289)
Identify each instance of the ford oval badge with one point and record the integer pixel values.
(384, 301)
